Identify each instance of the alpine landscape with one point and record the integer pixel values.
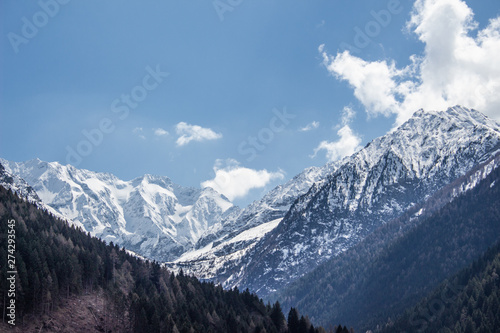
(136, 199)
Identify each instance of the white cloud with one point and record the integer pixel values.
(456, 67)
(347, 145)
(160, 132)
(188, 133)
(372, 81)
(309, 127)
(347, 115)
(235, 181)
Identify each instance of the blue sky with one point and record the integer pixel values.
(236, 94)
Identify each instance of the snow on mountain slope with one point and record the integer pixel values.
(378, 183)
(149, 215)
(18, 185)
(208, 263)
(223, 245)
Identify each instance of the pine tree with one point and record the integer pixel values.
(293, 321)
(277, 316)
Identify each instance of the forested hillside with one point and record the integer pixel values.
(467, 303)
(57, 262)
(401, 262)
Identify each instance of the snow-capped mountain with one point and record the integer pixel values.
(298, 225)
(149, 215)
(224, 244)
(388, 176)
(18, 185)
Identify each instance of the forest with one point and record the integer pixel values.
(466, 303)
(402, 262)
(56, 262)
(435, 273)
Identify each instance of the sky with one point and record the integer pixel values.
(238, 95)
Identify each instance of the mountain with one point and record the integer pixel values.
(149, 215)
(156, 218)
(390, 175)
(224, 244)
(22, 188)
(68, 281)
(315, 216)
(399, 263)
(18, 185)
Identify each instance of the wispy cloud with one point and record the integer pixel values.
(160, 132)
(347, 145)
(457, 66)
(139, 132)
(235, 181)
(348, 142)
(188, 133)
(348, 115)
(309, 127)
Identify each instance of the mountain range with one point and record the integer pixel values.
(315, 216)
(149, 215)
(366, 190)
(398, 264)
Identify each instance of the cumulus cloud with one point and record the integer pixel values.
(235, 181)
(458, 66)
(160, 132)
(309, 127)
(347, 145)
(188, 133)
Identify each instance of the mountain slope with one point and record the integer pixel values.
(68, 281)
(149, 215)
(18, 185)
(469, 302)
(225, 243)
(383, 180)
(404, 259)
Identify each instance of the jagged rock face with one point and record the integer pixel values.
(378, 183)
(149, 215)
(18, 185)
(224, 245)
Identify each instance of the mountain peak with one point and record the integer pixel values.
(149, 215)
(455, 114)
(376, 184)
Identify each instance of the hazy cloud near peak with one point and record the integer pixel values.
(235, 181)
(348, 142)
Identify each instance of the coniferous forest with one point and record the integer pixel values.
(57, 262)
(372, 284)
(466, 303)
(59, 265)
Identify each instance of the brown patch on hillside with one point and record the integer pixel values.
(77, 314)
